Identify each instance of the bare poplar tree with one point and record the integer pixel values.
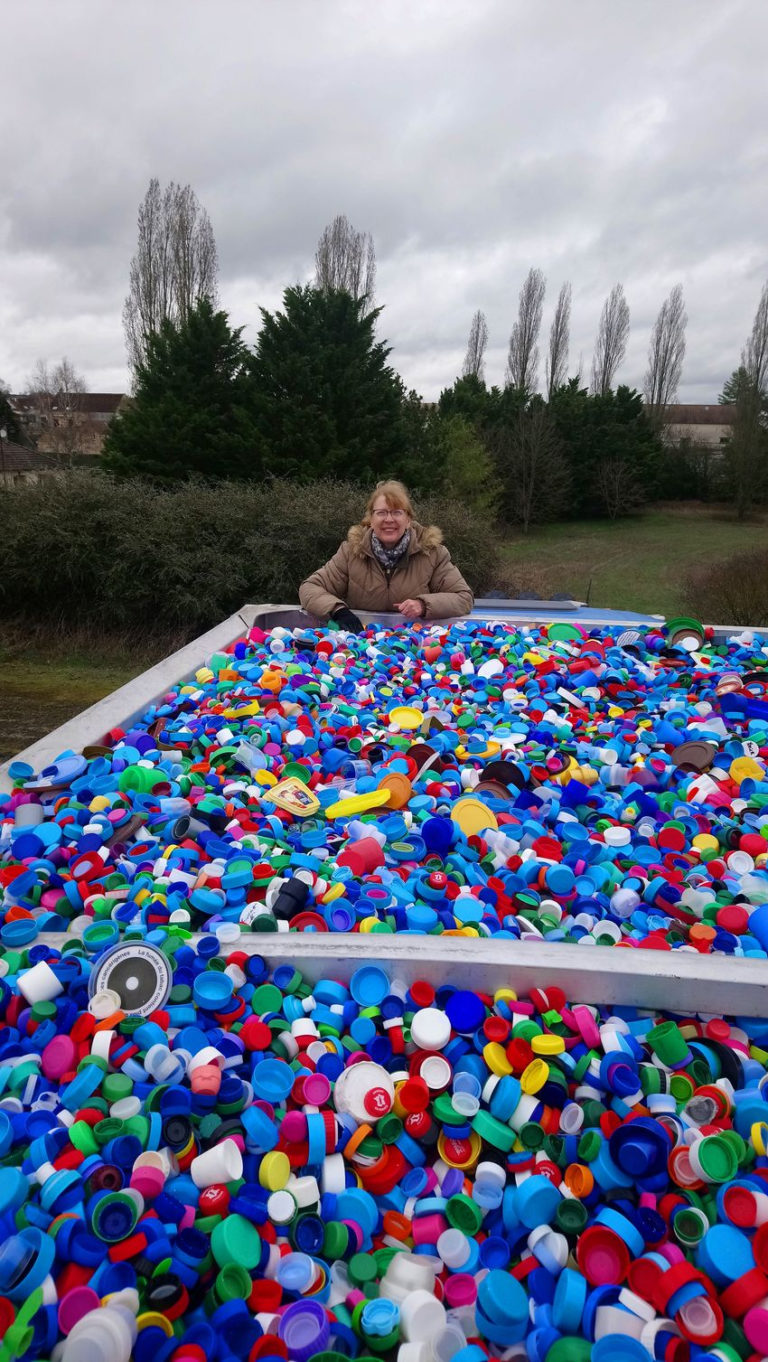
(523, 358)
(346, 259)
(754, 356)
(474, 360)
(175, 264)
(559, 342)
(611, 344)
(666, 353)
(55, 403)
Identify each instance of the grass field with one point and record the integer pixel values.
(634, 564)
(630, 564)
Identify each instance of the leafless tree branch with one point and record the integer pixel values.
(559, 342)
(474, 361)
(346, 259)
(611, 344)
(175, 264)
(754, 356)
(523, 358)
(666, 353)
(55, 394)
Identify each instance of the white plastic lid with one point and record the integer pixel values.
(447, 1342)
(421, 1317)
(430, 1029)
(355, 1084)
(104, 1003)
(281, 1207)
(437, 1073)
(454, 1248)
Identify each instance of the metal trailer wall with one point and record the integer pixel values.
(681, 980)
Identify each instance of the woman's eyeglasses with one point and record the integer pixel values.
(388, 515)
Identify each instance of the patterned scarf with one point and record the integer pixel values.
(390, 557)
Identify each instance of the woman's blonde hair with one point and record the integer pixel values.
(394, 493)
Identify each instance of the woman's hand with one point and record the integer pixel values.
(413, 610)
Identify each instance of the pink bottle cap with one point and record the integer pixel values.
(59, 1057)
(459, 1290)
(148, 1181)
(755, 1325)
(317, 1090)
(77, 1303)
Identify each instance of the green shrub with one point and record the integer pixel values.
(86, 550)
(731, 592)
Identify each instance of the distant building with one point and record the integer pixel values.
(707, 427)
(18, 464)
(61, 424)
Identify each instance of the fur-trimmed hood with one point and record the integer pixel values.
(423, 538)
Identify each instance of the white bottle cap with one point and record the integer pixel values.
(304, 1190)
(333, 1177)
(104, 1003)
(437, 1073)
(447, 1342)
(363, 1091)
(281, 1207)
(222, 1163)
(412, 1352)
(421, 1317)
(430, 1029)
(454, 1248)
(39, 984)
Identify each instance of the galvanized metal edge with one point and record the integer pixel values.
(674, 981)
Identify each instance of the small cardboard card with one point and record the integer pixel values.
(293, 795)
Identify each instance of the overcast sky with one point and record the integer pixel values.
(601, 140)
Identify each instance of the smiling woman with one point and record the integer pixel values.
(389, 562)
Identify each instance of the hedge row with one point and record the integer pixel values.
(83, 549)
(731, 592)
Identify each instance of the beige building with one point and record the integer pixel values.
(707, 427)
(74, 424)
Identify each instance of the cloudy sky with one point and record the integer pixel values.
(601, 140)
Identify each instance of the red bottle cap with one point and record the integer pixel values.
(602, 1256)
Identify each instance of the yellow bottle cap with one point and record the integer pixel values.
(406, 716)
(274, 1171)
(495, 1057)
(535, 1076)
(548, 1045)
(472, 816)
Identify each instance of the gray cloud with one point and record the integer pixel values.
(599, 142)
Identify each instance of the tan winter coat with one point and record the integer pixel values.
(354, 577)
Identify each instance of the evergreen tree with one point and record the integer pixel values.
(606, 432)
(9, 421)
(327, 402)
(192, 412)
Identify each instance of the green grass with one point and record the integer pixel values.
(636, 564)
(48, 676)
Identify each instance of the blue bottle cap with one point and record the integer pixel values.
(620, 1348)
(466, 1011)
(369, 986)
(272, 1080)
(568, 1303)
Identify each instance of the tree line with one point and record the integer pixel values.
(316, 394)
